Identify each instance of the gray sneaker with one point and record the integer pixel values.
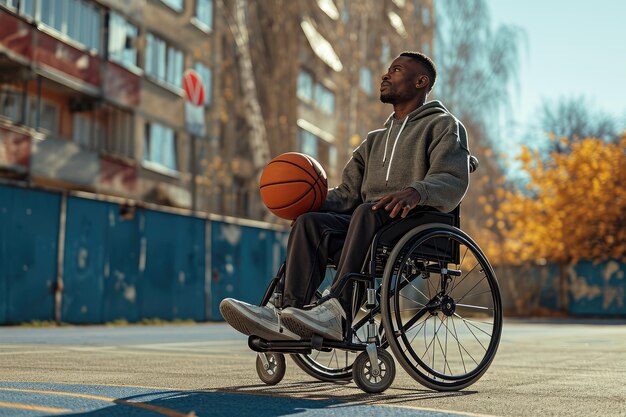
(324, 320)
(259, 321)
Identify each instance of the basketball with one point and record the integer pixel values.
(292, 184)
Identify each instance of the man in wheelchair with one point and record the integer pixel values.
(420, 159)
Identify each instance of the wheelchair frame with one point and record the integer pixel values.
(374, 369)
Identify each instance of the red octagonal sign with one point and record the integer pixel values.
(194, 88)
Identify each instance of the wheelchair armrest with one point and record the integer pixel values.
(473, 163)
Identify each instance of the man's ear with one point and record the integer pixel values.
(422, 81)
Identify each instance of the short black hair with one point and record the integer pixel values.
(426, 62)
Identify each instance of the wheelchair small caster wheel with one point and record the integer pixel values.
(374, 380)
(272, 370)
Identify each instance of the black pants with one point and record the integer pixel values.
(317, 236)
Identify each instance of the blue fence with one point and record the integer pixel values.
(29, 232)
(124, 264)
(598, 289)
(81, 260)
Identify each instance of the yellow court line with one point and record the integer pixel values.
(161, 410)
(64, 394)
(34, 407)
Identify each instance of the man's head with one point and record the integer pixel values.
(412, 74)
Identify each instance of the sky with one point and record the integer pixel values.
(574, 48)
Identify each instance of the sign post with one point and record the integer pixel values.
(194, 121)
(194, 103)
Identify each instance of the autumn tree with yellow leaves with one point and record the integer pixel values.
(573, 207)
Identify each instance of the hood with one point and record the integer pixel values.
(427, 109)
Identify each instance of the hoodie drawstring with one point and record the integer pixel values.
(387, 140)
(393, 149)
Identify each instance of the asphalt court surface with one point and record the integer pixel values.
(43, 399)
(564, 368)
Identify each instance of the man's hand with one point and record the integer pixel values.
(401, 201)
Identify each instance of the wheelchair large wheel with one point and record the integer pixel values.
(441, 307)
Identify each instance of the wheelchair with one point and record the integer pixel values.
(426, 291)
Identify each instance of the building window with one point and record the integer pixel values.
(78, 19)
(174, 4)
(207, 77)
(324, 99)
(27, 7)
(385, 53)
(325, 153)
(10, 3)
(49, 118)
(426, 16)
(204, 14)
(160, 146)
(305, 86)
(345, 13)
(120, 128)
(87, 131)
(163, 61)
(11, 105)
(332, 158)
(314, 92)
(122, 36)
(365, 81)
(307, 143)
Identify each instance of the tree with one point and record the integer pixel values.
(572, 208)
(574, 118)
(477, 68)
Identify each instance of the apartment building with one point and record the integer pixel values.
(91, 93)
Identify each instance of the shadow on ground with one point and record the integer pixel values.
(309, 399)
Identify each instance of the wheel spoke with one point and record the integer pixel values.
(416, 333)
(432, 340)
(445, 357)
(412, 300)
(462, 279)
(473, 325)
(456, 337)
(475, 337)
(476, 307)
(476, 294)
(468, 291)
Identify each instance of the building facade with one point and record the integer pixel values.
(91, 92)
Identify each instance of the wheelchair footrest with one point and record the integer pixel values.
(282, 346)
(303, 347)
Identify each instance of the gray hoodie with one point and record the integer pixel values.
(427, 151)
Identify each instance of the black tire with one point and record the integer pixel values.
(366, 379)
(331, 365)
(276, 371)
(314, 366)
(446, 323)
